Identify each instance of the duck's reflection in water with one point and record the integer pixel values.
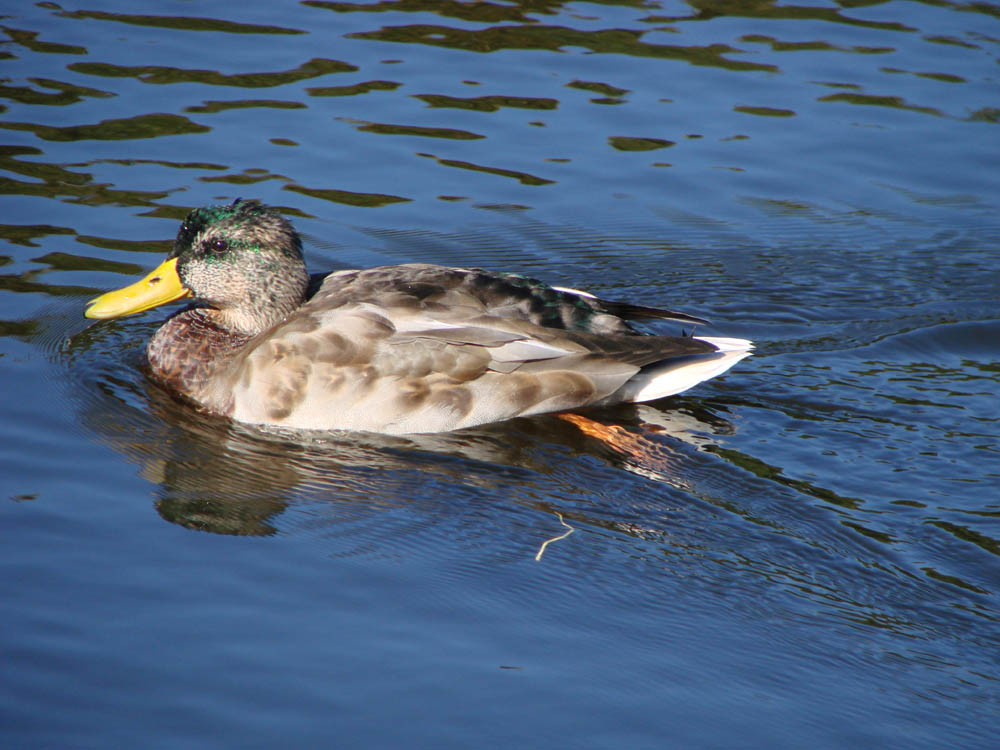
(228, 478)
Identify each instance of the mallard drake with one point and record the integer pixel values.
(397, 349)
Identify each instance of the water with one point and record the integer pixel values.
(801, 553)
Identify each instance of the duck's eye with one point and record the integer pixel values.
(217, 246)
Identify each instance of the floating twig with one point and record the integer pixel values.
(547, 542)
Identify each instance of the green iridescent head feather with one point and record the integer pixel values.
(243, 224)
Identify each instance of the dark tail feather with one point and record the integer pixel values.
(631, 312)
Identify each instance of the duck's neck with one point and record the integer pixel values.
(195, 351)
(273, 301)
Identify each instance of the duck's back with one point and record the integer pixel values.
(501, 295)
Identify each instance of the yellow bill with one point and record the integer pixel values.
(161, 286)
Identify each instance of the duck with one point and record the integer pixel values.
(402, 349)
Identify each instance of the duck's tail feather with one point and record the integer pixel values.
(675, 375)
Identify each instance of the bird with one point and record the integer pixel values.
(402, 349)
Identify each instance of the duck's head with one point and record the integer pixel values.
(243, 259)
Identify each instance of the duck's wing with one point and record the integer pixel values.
(502, 295)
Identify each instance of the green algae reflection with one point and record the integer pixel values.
(129, 128)
(558, 38)
(159, 74)
(182, 23)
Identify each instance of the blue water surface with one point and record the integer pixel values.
(801, 553)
